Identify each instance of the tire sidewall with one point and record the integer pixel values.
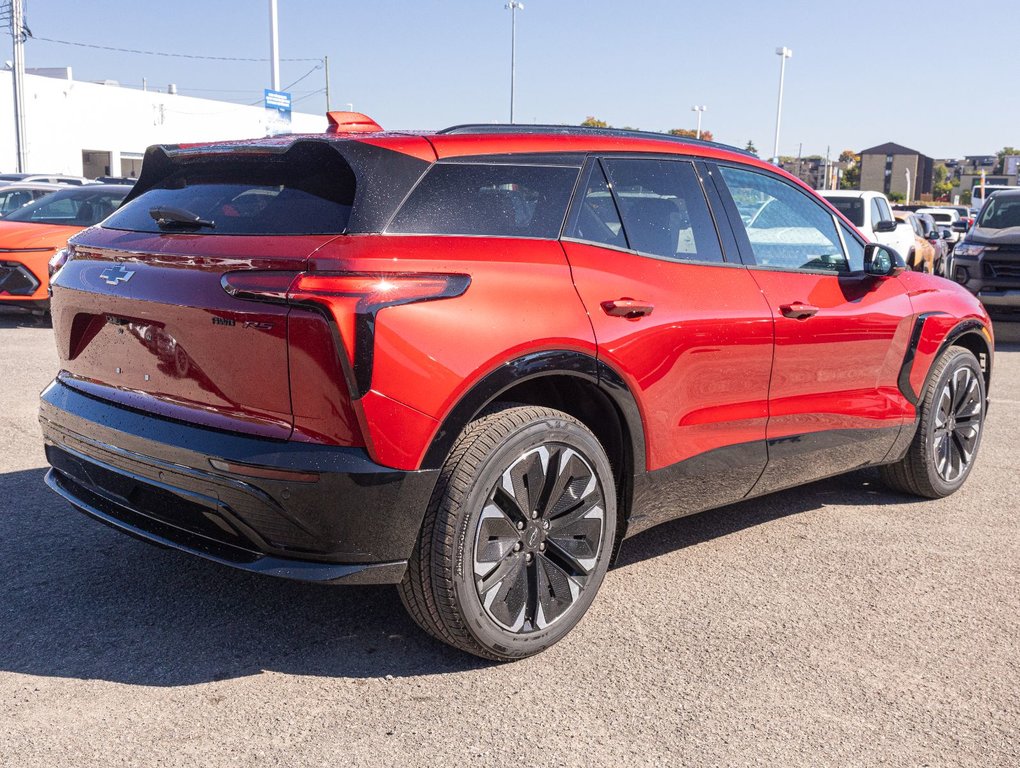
(484, 630)
(962, 359)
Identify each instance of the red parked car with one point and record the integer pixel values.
(472, 362)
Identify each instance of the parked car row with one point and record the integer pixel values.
(37, 220)
(914, 235)
(987, 260)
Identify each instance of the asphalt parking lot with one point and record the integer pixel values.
(836, 624)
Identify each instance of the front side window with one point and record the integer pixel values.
(876, 212)
(664, 209)
(854, 249)
(785, 227)
(883, 209)
(494, 200)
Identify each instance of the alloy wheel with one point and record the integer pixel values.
(538, 538)
(958, 418)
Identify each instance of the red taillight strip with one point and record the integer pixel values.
(372, 291)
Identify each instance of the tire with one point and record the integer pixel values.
(498, 572)
(952, 414)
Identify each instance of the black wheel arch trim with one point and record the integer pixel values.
(961, 329)
(533, 366)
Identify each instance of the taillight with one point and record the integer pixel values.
(351, 300)
(57, 260)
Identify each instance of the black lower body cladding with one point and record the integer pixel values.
(302, 511)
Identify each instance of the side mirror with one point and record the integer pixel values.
(946, 234)
(885, 225)
(882, 261)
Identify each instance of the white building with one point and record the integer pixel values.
(101, 129)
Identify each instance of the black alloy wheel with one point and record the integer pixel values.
(518, 536)
(951, 417)
(538, 538)
(958, 415)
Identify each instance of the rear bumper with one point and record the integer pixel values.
(300, 511)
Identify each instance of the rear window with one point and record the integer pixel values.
(493, 200)
(307, 191)
(851, 207)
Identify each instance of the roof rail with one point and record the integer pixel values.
(584, 130)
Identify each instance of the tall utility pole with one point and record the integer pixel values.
(513, 6)
(784, 54)
(325, 63)
(274, 47)
(907, 172)
(17, 21)
(700, 110)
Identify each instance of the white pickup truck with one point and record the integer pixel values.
(871, 214)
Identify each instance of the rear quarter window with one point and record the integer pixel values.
(494, 200)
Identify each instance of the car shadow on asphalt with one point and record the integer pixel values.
(79, 600)
(23, 320)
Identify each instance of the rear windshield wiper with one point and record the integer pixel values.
(167, 218)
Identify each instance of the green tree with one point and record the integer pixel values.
(594, 122)
(851, 169)
(690, 133)
(896, 197)
(751, 148)
(942, 185)
(1000, 166)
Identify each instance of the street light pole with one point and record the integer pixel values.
(700, 110)
(907, 172)
(784, 54)
(17, 19)
(274, 47)
(513, 6)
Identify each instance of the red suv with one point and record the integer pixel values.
(472, 362)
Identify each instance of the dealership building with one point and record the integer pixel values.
(102, 129)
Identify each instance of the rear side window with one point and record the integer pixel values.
(596, 219)
(492, 200)
(306, 191)
(664, 209)
(851, 207)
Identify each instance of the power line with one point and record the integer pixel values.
(154, 53)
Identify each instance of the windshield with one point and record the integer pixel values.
(851, 207)
(76, 207)
(1001, 212)
(13, 199)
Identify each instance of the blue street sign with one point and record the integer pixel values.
(278, 100)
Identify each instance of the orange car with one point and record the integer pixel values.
(30, 235)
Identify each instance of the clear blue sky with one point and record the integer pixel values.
(863, 72)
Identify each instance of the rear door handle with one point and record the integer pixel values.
(625, 307)
(798, 310)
